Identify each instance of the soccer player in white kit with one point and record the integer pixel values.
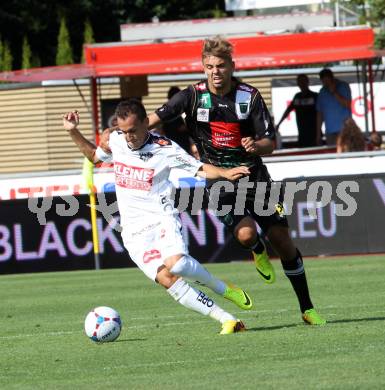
(151, 228)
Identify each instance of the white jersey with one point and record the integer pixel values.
(143, 187)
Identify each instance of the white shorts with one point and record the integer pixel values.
(150, 241)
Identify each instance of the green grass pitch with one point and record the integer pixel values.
(164, 346)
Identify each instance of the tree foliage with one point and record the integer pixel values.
(26, 55)
(7, 57)
(88, 36)
(1, 54)
(64, 50)
(38, 20)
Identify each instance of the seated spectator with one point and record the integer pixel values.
(351, 138)
(375, 141)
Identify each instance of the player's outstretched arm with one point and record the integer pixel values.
(71, 123)
(209, 171)
(288, 110)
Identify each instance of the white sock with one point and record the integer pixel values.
(220, 315)
(190, 268)
(198, 301)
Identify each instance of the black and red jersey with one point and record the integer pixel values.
(217, 123)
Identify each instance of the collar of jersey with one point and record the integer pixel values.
(234, 86)
(148, 139)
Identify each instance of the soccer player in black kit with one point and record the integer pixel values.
(230, 124)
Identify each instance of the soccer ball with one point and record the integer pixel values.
(103, 324)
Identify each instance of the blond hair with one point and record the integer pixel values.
(217, 46)
(351, 138)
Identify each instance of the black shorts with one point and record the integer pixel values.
(256, 196)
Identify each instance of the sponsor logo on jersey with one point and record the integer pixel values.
(205, 100)
(145, 156)
(201, 87)
(162, 141)
(242, 104)
(225, 134)
(130, 177)
(150, 255)
(243, 107)
(185, 161)
(145, 229)
(202, 115)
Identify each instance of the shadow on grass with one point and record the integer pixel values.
(342, 321)
(129, 340)
(276, 327)
(356, 320)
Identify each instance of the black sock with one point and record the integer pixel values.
(295, 271)
(258, 247)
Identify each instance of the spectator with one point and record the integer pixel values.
(351, 138)
(375, 141)
(333, 106)
(304, 104)
(176, 129)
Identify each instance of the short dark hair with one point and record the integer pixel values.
(131, 106)
(326, 72)
(302, 76)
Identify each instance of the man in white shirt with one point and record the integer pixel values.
(151, 226)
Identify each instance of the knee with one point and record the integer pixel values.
(246, 232)
(165, 278)
(171, 261)
(246, 235)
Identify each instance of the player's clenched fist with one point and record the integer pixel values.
(71, 120)
(249, 144)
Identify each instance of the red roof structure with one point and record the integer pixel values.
(268, 51)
